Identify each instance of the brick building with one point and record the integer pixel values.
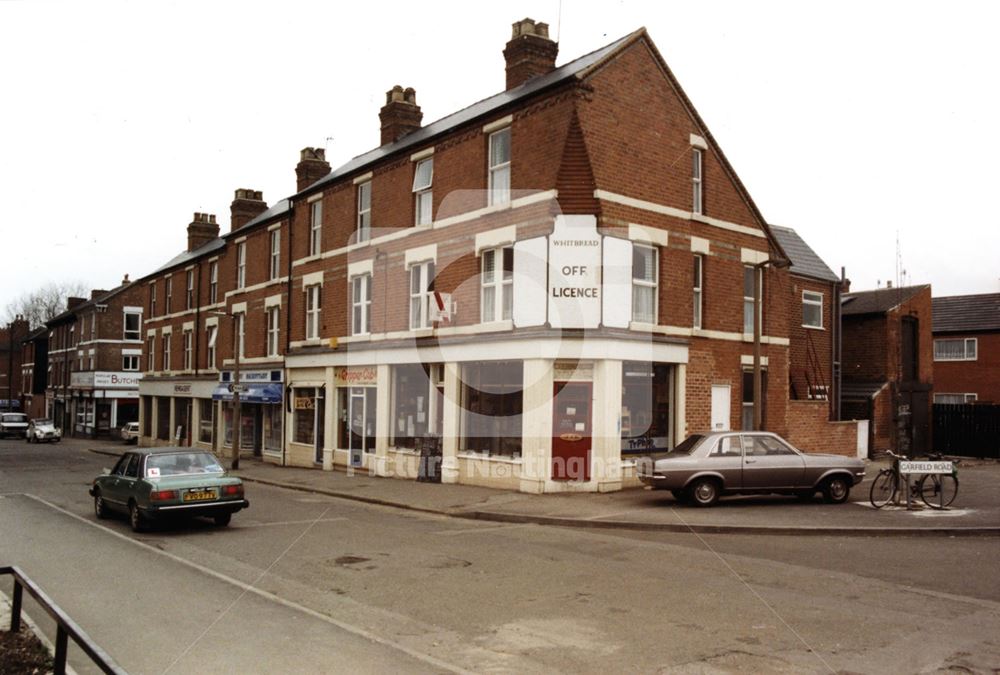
(34, 372)
(967, 349)
(94, 353)
(887, 366)
(11, 336)
(549, 280)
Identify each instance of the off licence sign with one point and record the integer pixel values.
(925, 467)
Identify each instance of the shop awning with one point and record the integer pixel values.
(255, 392)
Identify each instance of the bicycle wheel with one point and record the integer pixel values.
(938, 490)
(883, 488)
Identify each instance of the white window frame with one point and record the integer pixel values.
(241, 333)
(698, 290)
(273, 330)
(497, 284)
(189, 291)
(241, 265)
(130, 362)
(970, 349)
(316, 227)
(168, 306)
(815, 301)
(188, 348)
(137, 333)
(213, 282)
(150, 352)
(748, 300)
(966, 398)
(275, 259)
(152, 299)
(213, 336)
(420, 298)
(645, 286)
(361, 303)
(499, 172)
(364, 202)
(165, 340)
(423, 192)
(313, 308)
(697, 181)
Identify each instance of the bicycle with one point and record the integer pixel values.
(935, 490)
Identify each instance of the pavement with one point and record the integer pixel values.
(975, 511)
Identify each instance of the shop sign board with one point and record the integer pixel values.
(104, 380)
(355, 376)
(575, 273)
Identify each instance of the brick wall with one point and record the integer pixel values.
(810, 430)
(980, 377)
(811, 349)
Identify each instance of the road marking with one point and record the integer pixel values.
(479, 530)
(248, 588)
(259, 523)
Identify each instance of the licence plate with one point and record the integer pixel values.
(199, 495)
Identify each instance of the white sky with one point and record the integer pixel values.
(853, 122)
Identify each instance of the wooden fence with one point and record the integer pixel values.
(967, 430)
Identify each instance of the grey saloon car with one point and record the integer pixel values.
(707, 466)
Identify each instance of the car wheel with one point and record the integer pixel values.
(836, 490)
(100, 508)
(223, 519)
(704, 492)
(135, 518)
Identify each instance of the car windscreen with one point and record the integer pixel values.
(688, 445)
(182, 464)
(15, 418)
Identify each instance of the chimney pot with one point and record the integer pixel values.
(247, 205)
(400, 115)
(311, 167)
(529, 53)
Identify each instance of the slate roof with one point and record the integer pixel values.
(186, 256)
(966, 313)
(69, 313)
(805, 261)
(878, 301)
(578, 68)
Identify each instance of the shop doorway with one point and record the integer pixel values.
(358, 404)
(571, 428)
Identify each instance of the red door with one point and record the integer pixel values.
(571, 431)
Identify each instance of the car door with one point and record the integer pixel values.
(726, 459)
(769, 463)
(119, 486)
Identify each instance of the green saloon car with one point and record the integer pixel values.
(154, 483)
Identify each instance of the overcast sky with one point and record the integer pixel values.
(859, 124)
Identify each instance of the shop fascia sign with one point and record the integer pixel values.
(248, 376)
(585, 277)
(103, 380)
(355, 376)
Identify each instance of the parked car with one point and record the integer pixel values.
(130, 432)
(148, 484)
(43, 431)
(13, 424)
(707, 466)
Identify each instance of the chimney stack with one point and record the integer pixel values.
(247, 205)
(311, 167)
(529, 53)
(95, 294)
(201, 230)
(400, 115)
(73, 303)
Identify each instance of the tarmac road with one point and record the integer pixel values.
(304, 581)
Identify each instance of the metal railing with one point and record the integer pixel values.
(65, 627)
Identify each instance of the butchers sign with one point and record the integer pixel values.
(575, 273)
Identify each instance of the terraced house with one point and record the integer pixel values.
(548, 281)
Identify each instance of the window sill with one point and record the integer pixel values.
(469, 454)
(505, 324)
(642, 326)
(820, 328)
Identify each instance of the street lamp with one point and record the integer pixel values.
(235, 386)
(757, 273)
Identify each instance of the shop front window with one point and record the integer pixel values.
(273, 440)
(305, 416)
(413, 408)
(163, 418)
(646, 396)
(492, 394)
(206, 420)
